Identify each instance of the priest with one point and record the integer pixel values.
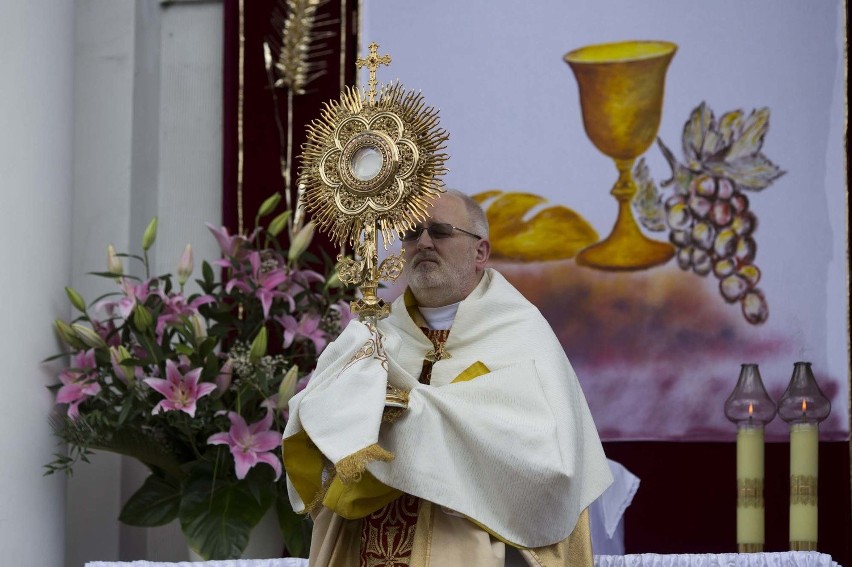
(454, 432)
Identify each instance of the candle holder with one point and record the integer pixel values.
(803, 406)
(751, 408)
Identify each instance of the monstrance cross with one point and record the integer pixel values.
(372, 62)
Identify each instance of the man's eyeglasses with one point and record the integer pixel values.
(436, 231)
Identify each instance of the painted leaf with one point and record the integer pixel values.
(751, 173)
(525, 229)
(694, 132)
(751, 139)
(730, 125)
(647, 202)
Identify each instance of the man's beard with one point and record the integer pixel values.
(436, 282)
(427, 270)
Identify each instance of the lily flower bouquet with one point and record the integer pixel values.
(196, 386)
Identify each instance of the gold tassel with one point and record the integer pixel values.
(349, 469)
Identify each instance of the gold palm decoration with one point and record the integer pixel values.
(372, 165)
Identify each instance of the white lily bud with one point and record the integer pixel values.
(199, 329)
(184, 268)
(287, 388)
(258, 346)
(118, 354)
(333, 280)
(67, 333)
(88, 336)
(150, 234)
(114, 264)
(300, 241)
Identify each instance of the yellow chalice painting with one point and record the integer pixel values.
(621, 97)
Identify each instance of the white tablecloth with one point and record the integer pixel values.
(288, 562)
(782, 559)
(606, 514)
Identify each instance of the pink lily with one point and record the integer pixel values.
(225, 377)
(231, 246)
(176, 309)
(264, 284)
(250, 444)
(301, 280)
(106, 330)
(133, 293)
(77, 382)
(342, 308)
(307, 327)
(180, 391)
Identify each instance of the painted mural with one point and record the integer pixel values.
(638, 197)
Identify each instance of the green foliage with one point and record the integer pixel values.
(235, 341)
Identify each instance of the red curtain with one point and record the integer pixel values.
(252, 141)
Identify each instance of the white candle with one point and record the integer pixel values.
(750, 505)
(804, 459)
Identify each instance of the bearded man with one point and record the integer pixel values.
(491, 458)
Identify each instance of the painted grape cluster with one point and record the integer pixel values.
(713, 230)
(708, 213)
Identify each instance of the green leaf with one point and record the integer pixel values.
(125, 411)
(217, 517)
(207, 273)
(156, 503)
(296, 528)
(184, 349)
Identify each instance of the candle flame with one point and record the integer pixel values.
(804, 406)
(750, 409)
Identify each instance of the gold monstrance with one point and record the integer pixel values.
(372, 165)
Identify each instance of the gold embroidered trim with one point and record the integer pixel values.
(421, 553)
(388, 535)
(392, 414)
(349, 469)
(397, 395)
(749, 548)
(437, 354)
(803, 546)
(803, 489)
(373, 347)
(750, 493)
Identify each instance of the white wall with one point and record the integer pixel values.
(147, 142)
(36, 43)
